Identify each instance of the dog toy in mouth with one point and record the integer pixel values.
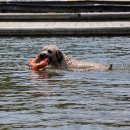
(35, 65)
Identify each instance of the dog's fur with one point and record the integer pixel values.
(58, 60)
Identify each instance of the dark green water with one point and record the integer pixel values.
(62, 100)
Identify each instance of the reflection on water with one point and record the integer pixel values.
(53, 99)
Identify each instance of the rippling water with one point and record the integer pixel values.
(61, 99)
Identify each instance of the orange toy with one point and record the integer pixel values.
(34, 65)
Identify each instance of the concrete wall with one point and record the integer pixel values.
(63, 6)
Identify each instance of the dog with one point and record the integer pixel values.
(58, 60)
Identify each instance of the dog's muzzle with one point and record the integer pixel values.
(43, 56)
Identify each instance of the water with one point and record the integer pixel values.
(55, 100)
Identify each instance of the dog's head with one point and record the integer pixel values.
(53, 53)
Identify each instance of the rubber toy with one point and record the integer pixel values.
(33, 64)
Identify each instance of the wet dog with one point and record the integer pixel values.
(58, 60)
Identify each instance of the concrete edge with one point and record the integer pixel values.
(64, 16)
(111, 31)
(63, 6)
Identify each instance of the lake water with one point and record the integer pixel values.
(62, 100)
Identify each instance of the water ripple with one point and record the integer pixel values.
(53, 99)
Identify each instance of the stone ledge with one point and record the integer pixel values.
(64, 28)
(110, 16)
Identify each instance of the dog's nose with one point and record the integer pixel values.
(41, 56)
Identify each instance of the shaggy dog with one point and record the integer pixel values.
(58, 60)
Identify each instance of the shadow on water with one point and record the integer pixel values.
(53, 99)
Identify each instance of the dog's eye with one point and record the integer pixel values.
(49, 51)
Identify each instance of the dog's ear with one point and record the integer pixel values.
(59, 56)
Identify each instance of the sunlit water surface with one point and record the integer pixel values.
(62, 100)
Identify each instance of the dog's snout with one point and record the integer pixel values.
(41, 56)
